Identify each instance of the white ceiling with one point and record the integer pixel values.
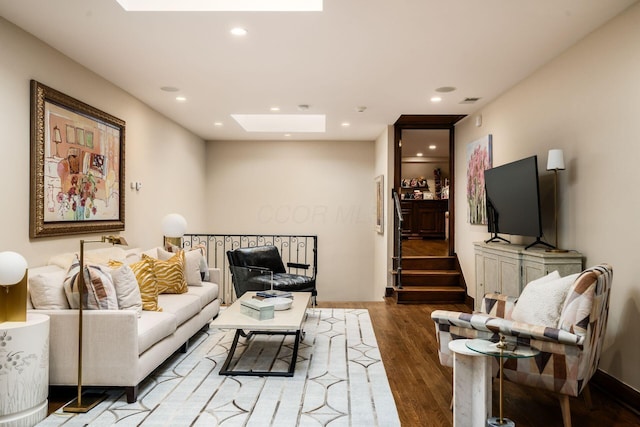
(387, 55)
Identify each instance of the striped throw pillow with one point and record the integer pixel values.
(147, 283)
(170, 274)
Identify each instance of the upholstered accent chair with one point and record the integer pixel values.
(569, 353)
(256, 268)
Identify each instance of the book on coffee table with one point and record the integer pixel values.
(272, 293)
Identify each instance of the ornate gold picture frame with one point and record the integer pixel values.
(77, 166)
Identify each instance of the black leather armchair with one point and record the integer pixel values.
(252, 269)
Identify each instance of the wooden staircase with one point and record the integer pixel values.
(430, 279)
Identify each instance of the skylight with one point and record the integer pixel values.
(221, 5)
(298, 123)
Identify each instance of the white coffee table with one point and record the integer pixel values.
(284, 322)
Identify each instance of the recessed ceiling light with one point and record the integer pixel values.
(169, 89)
(436, 99)
(419, 154)
(445, 89)
(274, 108)
(345, 124)
(238, 31)
(180, 98)
(432, 147)
(221, 5)
(218, 124)
(281, 122)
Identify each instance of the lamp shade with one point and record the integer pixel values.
(555, 160)
(174, 225)
(13, 266)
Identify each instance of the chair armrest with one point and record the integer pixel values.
(498, 305)
(298, 265)
(472, 321)
(526, 331)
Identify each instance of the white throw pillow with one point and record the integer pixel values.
(192, 265)
(127, 290)
(541, 301)
(47, 290)
(100, 293)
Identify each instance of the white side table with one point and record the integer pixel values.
(24, 371)
(471, 386)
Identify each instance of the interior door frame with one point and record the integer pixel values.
(428, 122)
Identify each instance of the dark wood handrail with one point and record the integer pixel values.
(398, 209)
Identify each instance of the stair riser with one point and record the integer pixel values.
(408, 280)
(425, 297)
(428, 264)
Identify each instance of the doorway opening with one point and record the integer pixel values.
(424, 180)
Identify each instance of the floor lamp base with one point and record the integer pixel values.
(89, 400)
(495, 422)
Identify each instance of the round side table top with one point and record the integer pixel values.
(510, 351)
(460, 347)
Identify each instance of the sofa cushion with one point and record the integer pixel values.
(99, 292)
(127, 290)
(100, 256)
(169, 274)
(191, 264)
(541, 301)
(147, 283)
(207, 292)
(154, 326)
(46, 288)
(182, 306)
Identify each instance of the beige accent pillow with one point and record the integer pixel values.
(99, 292)
(47, 291)
(147, 284)
(191, 266)
(170, 274)
(541, 301)
(127, 290)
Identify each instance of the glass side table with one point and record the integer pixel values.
(502, 350)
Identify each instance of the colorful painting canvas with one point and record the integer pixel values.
(479, 158)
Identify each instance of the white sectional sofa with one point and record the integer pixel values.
(120, 348)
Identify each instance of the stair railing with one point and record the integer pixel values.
(398, 210)
(294, 249)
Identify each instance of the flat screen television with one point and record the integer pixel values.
(513, 200)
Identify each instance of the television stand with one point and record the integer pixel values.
(539, 242)
(496, 238)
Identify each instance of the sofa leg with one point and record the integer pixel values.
(184, 347)
(132, 394)
(566, 410)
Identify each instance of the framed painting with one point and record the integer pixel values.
(380, 204)
(77, 166)
(479, 158)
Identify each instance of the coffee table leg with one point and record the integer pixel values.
(225, 367)
(224, 370)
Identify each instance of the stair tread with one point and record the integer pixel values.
(428, 272)
(430, 289)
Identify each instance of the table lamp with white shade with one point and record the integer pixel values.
(13, 287)
(173, 228)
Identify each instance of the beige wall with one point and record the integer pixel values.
(383, 243)
(322, 188)
(159, 153)
(587, 102)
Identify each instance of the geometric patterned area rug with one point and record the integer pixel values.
(339, 380)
